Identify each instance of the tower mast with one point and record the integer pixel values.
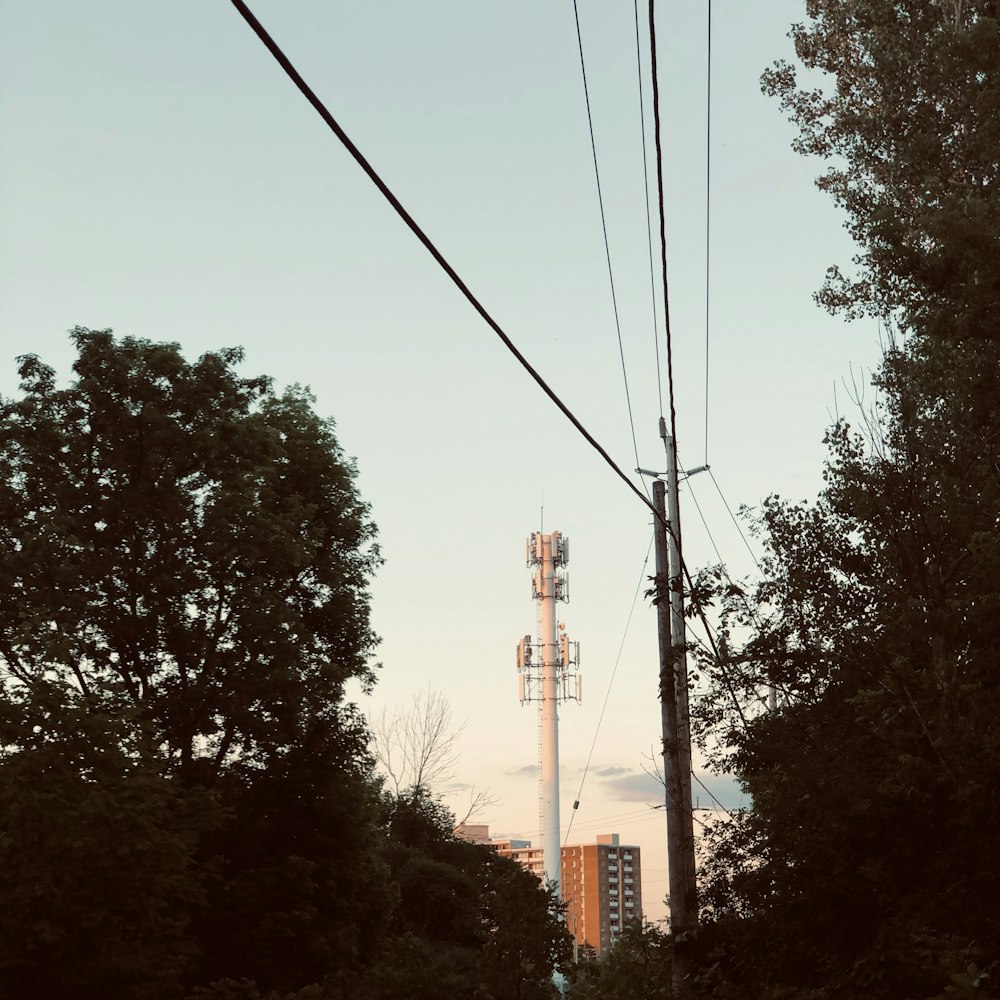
(546, 671)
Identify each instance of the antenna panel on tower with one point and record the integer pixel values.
(562, 550)
(524, 652)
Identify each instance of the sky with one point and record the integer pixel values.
(161, 176)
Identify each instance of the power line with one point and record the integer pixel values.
(662, 212)
(737, 523)
(722, 565)
(604, 230)
(704, 523)
(411, 223)
(645, 189)
(708, 209)
(607, 695)
(630, 816)
(602, 822)
(711, 794)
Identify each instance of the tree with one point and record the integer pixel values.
(912, 130)
(96, 843)
(637, 966)
(863, 866)
(526, 936)
(417, 747)
(180, 538)
(184, 560)
(469, 924)
(876, 622)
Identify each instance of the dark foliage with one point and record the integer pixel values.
(483, 922)
(638, 965)
(183, 570)
(866, 865)
(911, 129)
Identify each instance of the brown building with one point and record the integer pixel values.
(602, 888)
(601, 883)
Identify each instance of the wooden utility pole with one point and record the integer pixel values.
(675, 720)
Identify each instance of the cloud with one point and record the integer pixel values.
(522, 772)
(610, 772)
(633, 786)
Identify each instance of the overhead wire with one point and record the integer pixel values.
(600, 822)
(711, 794)
(645, 188)
(658, 144)
(607, 694)
(604, 230)
(417, 231)
(725, 571)
(733, 518)
(708, 209)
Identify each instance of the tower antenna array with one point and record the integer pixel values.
(548, 673)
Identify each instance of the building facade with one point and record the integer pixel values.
(601, 883)
(602, 889)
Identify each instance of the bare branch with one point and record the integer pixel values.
(416, 748)
(479, 801)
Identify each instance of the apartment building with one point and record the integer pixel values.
(602, 889)
(601, 882)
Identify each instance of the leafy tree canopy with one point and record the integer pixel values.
(911, 130)
(864, 867)
(184, 561)
(180, 538)
(637, 966)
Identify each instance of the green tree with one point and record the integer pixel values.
(469, 924)
(96, 841)
(636, 968)
(864, 862)
(863, 867)
(902, 99)
(526, 936)
(180, 538)
(184, 561)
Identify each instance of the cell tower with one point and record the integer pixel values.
(549, 672)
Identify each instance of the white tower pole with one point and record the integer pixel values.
(548, 712)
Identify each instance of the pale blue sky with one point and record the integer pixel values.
(160, 175)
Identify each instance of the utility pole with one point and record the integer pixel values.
(548, 678)
(675, 718)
